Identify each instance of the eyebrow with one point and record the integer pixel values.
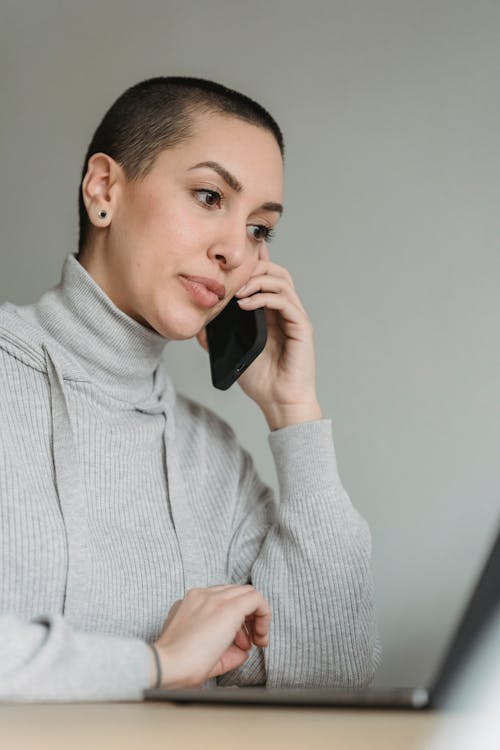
(233, 183)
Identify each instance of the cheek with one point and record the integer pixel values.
(174, 231)
(249, 269)
(166, 230)
(180, 236)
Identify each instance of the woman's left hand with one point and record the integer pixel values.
(281, 380)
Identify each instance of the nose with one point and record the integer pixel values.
(230, 246)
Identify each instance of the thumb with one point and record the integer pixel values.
(202, 338)
(232, 658)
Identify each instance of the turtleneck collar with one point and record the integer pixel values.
(114, 349)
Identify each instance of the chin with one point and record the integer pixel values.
(180, 328)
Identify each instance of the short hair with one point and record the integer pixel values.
(157, 114)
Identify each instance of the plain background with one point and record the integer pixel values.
(391, 116)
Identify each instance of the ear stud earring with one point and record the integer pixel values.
(102, 214)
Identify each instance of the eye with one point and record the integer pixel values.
(208, 197)
(260, 232)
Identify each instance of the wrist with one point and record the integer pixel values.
(156, 667)
(283, 415)
(170, 672)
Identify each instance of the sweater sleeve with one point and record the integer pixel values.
(309, 554)
(46, 660)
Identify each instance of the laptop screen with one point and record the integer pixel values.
(478, 613)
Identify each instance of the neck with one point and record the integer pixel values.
(114, 349)
(92, 259)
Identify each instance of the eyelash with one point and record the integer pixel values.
(268, 232)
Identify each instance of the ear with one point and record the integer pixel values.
(100, 187)
(202, 339)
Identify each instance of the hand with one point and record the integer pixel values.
(282, 378)
(211, 631)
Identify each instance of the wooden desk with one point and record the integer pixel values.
(143, 726)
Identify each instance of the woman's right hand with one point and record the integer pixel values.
(211, 631)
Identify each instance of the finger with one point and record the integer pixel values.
(266, 283)
(232, 658)
(263, 252)
(271, 283)
(202, 339)
(270, 269)
(261, 622)
(237, 588)
(242, 639)
(290, 312)
(249, 624)
(255, 606)
(253, 603)
(258, 639)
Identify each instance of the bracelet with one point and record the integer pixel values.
(159, 676)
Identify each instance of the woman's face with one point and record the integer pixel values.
(203, 211)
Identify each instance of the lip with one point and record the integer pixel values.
(203, 290)
(211, 285)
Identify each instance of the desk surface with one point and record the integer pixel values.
(143, 726)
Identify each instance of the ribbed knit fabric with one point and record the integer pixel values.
(118, 494)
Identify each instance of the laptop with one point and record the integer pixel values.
(482, 606)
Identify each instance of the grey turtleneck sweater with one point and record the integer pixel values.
(118, 494)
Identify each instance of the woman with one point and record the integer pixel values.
(139, 547)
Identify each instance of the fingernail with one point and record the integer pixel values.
(240, 291)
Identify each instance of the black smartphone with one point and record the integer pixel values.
(235, 338)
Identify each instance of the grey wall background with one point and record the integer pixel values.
(391, 114)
